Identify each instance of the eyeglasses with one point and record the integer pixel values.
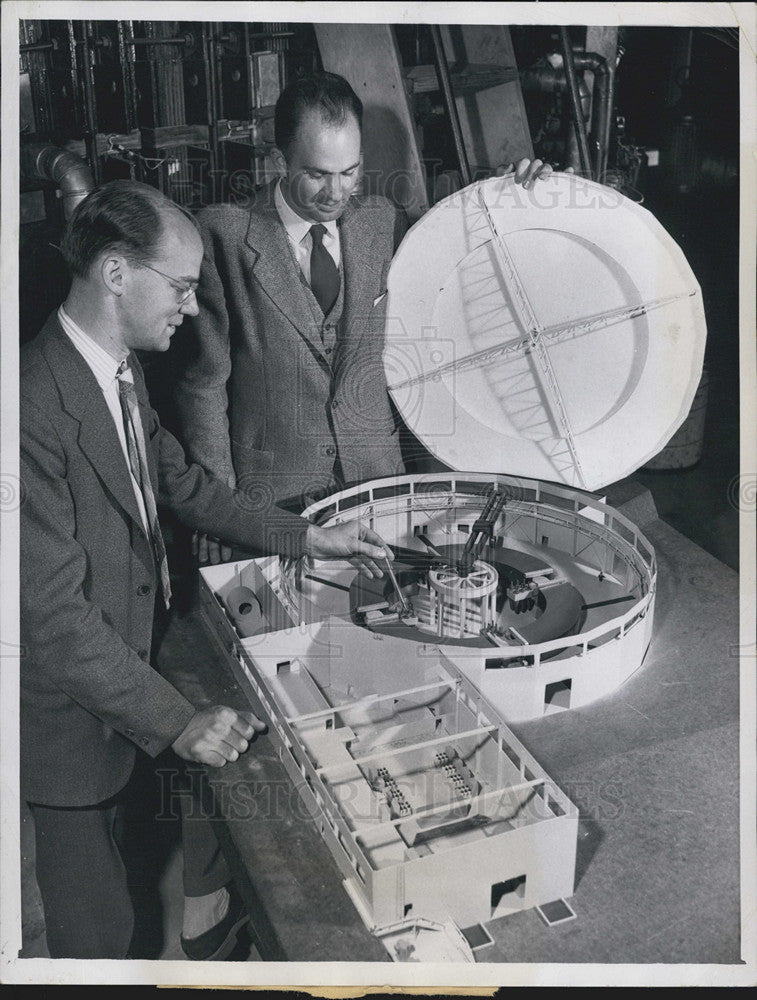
(184, 288)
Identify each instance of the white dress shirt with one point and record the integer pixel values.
(104, 368)
(298, 234)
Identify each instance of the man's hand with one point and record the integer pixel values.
(352, 541)
(527, 172)
(216, 735)
(209, 550)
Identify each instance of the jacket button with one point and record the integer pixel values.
(143, 654)
(328, 350)
(144, 589)
(144, 741)
(334, 404)
(330, 450)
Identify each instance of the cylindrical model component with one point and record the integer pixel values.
(244, 610)
(462, 604)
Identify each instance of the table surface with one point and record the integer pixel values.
(653, 769)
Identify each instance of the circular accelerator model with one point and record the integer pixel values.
(555, 611)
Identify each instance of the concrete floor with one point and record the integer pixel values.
(698, 502)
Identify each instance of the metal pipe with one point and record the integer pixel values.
(546, 79)
(50, 46)
(550, 78)
(180, 40)
(213, 95)
(611, 68)
(575, 101)
(604, 79)
(90, 109)
(70, 172)
(445, 85)
(53, 46)
(272, 34)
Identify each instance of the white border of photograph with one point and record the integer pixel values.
(385, 975)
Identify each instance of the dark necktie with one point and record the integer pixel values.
(324, 274)
(138, 462)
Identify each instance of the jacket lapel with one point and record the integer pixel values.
(358, 262)
(82, 398)
(276, 270)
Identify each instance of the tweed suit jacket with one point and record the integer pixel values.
(262, 399)
(89, 697)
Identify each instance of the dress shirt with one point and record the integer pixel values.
(104, 368)
(298, 234)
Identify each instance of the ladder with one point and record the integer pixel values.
(476, 66)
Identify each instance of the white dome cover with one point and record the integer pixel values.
(556, 333)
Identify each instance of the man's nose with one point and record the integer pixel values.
(189, 306)
(334, 187)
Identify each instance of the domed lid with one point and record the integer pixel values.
(556, 333)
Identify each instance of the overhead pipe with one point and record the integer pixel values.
(549, 77)
(70, 172)
(575, 102)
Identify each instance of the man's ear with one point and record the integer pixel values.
(279, 161)
(112, 272)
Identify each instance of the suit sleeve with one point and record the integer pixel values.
(67, 638)
(201, 395)
(205, 502)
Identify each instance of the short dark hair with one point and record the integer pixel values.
(327, 93)
(123, 216)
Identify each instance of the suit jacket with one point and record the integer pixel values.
(263, 398)
(89, 696)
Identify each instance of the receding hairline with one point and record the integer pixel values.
(159, 251)
(327, 122)
(171, 211)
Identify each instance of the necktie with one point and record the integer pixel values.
(138, 461)
(324, 274)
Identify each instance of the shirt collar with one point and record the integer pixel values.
(296, 227)
(104, 366)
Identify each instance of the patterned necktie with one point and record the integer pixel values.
(324, 274)
(127, 394)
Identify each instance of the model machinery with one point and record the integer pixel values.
(551, 340)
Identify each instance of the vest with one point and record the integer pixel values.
(329, 325)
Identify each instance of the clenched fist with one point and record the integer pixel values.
(216, 735)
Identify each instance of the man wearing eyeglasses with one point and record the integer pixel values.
(95, 463)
